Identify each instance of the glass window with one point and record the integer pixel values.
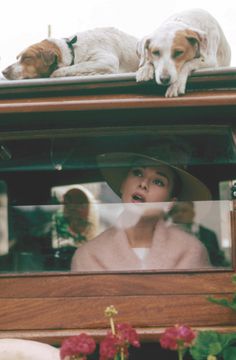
(58, 194)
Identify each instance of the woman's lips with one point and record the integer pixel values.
(136, 197)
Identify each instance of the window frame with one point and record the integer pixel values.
(50, 306)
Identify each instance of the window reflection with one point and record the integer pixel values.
(206, 222)
(42, 226)
(36, 245)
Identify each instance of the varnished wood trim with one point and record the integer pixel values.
(78, 285)
(55, 337)
(88, 312)
(215, 77)
(117, 101)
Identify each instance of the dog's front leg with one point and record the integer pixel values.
(179, 86)
(145, 72)
(63, 71)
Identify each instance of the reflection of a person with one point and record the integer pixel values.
(183, 214)
(141, 239)
(29, 234)
(77, 211)
(76, 223)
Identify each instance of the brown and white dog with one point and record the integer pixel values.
(185, 42)
(98, 51)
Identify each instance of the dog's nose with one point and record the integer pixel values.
(5, 72)
(165, 80)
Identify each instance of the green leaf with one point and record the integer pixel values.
(211, 343)
(234, 279)
(224, 302)
(196, 354)
(207, 343)
(215, 348)
(229, 353)
(227, 339)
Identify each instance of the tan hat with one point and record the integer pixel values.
(115, 166)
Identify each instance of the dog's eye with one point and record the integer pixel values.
(27, 59)
(177, 53)
(156, 52)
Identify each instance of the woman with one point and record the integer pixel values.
(141, 239)
(73, 224)
(78, 220)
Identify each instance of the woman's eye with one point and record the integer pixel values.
(158, 182)
(137, 172)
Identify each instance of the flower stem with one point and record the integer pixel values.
(112, 326)
(180, 354)
(122, 355)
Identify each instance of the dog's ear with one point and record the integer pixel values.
(197, 39)
(48, 57)
(142, 50)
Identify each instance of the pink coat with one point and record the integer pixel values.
(171, 248)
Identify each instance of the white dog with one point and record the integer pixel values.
(183, 43)
(97, 51)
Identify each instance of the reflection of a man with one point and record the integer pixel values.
(183, 214)
(141, 239)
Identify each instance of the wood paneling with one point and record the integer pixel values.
(51, 306)
(140, 311)
(76, 302)
(93, 285)
(116, 101)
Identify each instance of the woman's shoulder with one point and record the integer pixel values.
(194, 253)
(101, 238)
(84, 257)
(182, 236)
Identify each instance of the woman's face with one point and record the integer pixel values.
(76, 205)
(148, 184)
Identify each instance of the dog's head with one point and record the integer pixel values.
(168, 49)
(37, 61)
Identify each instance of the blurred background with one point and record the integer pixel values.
(25, 22)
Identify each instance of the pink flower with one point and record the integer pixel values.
(177, 337)
(108, 347)
(77, 346)
(113, 344)
(127, 335)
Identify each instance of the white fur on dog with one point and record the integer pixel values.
(185, 42)
(98, 51)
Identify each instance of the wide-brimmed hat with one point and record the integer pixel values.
(115, 166)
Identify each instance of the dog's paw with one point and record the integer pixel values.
(145, 73)
(59, 73)
(176, 89)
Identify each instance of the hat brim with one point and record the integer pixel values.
(115, 166)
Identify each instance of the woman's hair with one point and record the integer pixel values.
(81, 197)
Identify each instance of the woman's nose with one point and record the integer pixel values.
(144, 184)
